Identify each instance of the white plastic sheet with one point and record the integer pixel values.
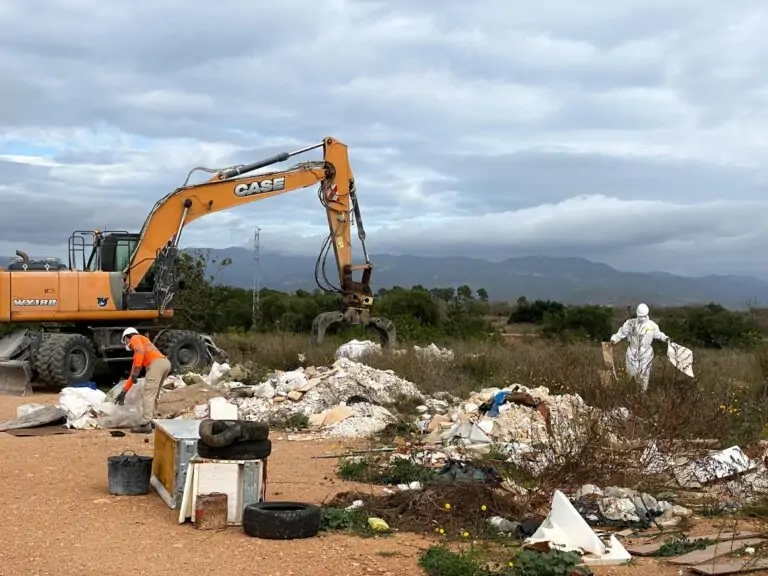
(80, 405)
(681, 358)
(126, 416)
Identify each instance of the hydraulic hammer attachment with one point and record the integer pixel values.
(15, 366)
(354, 316)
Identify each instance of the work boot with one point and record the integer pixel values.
(142, 429)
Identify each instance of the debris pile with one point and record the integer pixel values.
(349, 399)
(512, 420)
(626, 508)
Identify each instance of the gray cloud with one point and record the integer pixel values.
(631, 133)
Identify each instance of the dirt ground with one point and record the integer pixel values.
(59, 519)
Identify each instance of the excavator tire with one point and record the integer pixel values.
(185, 350)
(65, 359)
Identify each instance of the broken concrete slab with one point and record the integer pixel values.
(711, 552)
(651, 548)
(42, 417)
(732, 567)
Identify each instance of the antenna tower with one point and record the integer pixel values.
(256, 276)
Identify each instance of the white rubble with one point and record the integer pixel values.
(433, 351)
(356, 349)
(346, 399)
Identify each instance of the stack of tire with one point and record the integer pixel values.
(245, 440)
(234, 440)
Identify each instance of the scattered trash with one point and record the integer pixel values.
(378, 525)
(564, 529)
(717, 466)
(625, 508)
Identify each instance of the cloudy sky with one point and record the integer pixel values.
(633, 132)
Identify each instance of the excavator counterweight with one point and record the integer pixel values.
(79, 309)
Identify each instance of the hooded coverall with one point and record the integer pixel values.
(640, 333)
(146, 355)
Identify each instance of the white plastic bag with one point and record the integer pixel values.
(217, 372)
(126, 416)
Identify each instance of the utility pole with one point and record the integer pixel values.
(256, 276)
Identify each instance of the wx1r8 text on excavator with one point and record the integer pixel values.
(130, 279)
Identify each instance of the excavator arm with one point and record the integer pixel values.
(228, 188)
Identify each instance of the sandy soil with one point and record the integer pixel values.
(59, 519)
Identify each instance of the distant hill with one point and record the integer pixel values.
(570, 280)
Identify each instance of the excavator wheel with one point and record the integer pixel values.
(65, 359)
(186, 350)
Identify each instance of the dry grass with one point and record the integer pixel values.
(725, 403)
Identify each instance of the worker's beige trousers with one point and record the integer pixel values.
(156, 374)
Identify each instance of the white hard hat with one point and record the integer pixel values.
(127, 333)
(642, 310)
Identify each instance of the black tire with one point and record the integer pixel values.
(66, 359)
(219, 433)
(281, 520)
(253, 431)
(238, 451)
(185, 350)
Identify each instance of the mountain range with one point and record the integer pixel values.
(569, 280)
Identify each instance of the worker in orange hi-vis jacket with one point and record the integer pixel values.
(145, 355)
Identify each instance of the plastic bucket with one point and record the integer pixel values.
(129, 474)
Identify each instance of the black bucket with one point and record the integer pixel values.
(129, 474)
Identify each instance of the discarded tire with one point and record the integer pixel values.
(219, 433)
(281, 520)
(253, 431)
(237, 451)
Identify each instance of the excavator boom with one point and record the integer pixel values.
(230, 187)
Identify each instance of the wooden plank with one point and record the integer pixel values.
(41, 431)
(735, 567)
(711, 552)
(608, 355)
(651, 549)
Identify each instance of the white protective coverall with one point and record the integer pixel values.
(640, 333)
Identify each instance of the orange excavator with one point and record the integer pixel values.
(80, 309)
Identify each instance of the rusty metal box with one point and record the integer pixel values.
(175, 445)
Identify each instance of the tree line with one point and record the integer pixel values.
(425, 315)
